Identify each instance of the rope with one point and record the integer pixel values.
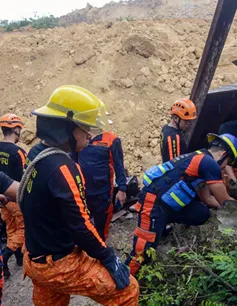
(29, 170)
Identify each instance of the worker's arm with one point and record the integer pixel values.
(230, 172)
(8, 187)
(206, 197)
(211, 172)
(220, 193)
(117, 155)
(66, 187)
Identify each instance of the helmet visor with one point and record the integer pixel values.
(93, 121)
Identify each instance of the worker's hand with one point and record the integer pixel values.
(3, 200)
(121, 196)
(118, 270)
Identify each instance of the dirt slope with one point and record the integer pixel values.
(142, 9)
(137, 68)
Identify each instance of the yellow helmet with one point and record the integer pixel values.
(76, 104)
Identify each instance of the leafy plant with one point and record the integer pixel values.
(36, 22)
(201, 277)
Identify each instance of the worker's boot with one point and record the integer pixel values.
(19, 257)
(7, 253)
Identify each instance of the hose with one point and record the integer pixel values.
(29, 170)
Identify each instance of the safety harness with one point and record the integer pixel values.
(29, 171)
(175, 189)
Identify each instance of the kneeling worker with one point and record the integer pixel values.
(170, 189)
(64, 253)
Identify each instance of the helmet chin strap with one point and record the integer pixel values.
(220, 162)
(178, 123)
(18, 134)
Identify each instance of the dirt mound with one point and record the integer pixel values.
(137, 68)
(141, 9)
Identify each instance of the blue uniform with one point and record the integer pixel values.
(169, 195)
(100, 161)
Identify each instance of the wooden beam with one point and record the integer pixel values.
(223, 18)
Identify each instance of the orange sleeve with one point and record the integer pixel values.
(23, 158)
(77, 197)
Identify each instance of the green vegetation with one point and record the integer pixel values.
(205, 276)
(128, 18)
(36, 22)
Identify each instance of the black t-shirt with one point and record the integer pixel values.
(172, 143)
(54, 209)
(12, 160)
(5, 182)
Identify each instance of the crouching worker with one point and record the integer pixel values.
(170, 189)
(231, 171)
(64, 253)
(8, 190)
(12, 160)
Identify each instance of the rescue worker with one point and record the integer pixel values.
(64, 253)
(99, 162)
(12, 160)
(231, 171)
(170, 189)
(8, 190)
(172, 139)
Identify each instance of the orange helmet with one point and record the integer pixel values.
(184, 109)
(11, 121)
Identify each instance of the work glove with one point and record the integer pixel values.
(118, 270)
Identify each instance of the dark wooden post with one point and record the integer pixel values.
(223, 18)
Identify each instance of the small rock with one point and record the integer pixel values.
(144, 138)
(109, 25)
(129, 216)
(156, 123)
(127, 83)
(15, 67)
(83, 54)
(198, 52)
(145, 71)
(182, 81)
(137, 134)
(156, 134)
(154, 142)
(188, 84)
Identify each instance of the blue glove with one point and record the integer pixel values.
(118, 270)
